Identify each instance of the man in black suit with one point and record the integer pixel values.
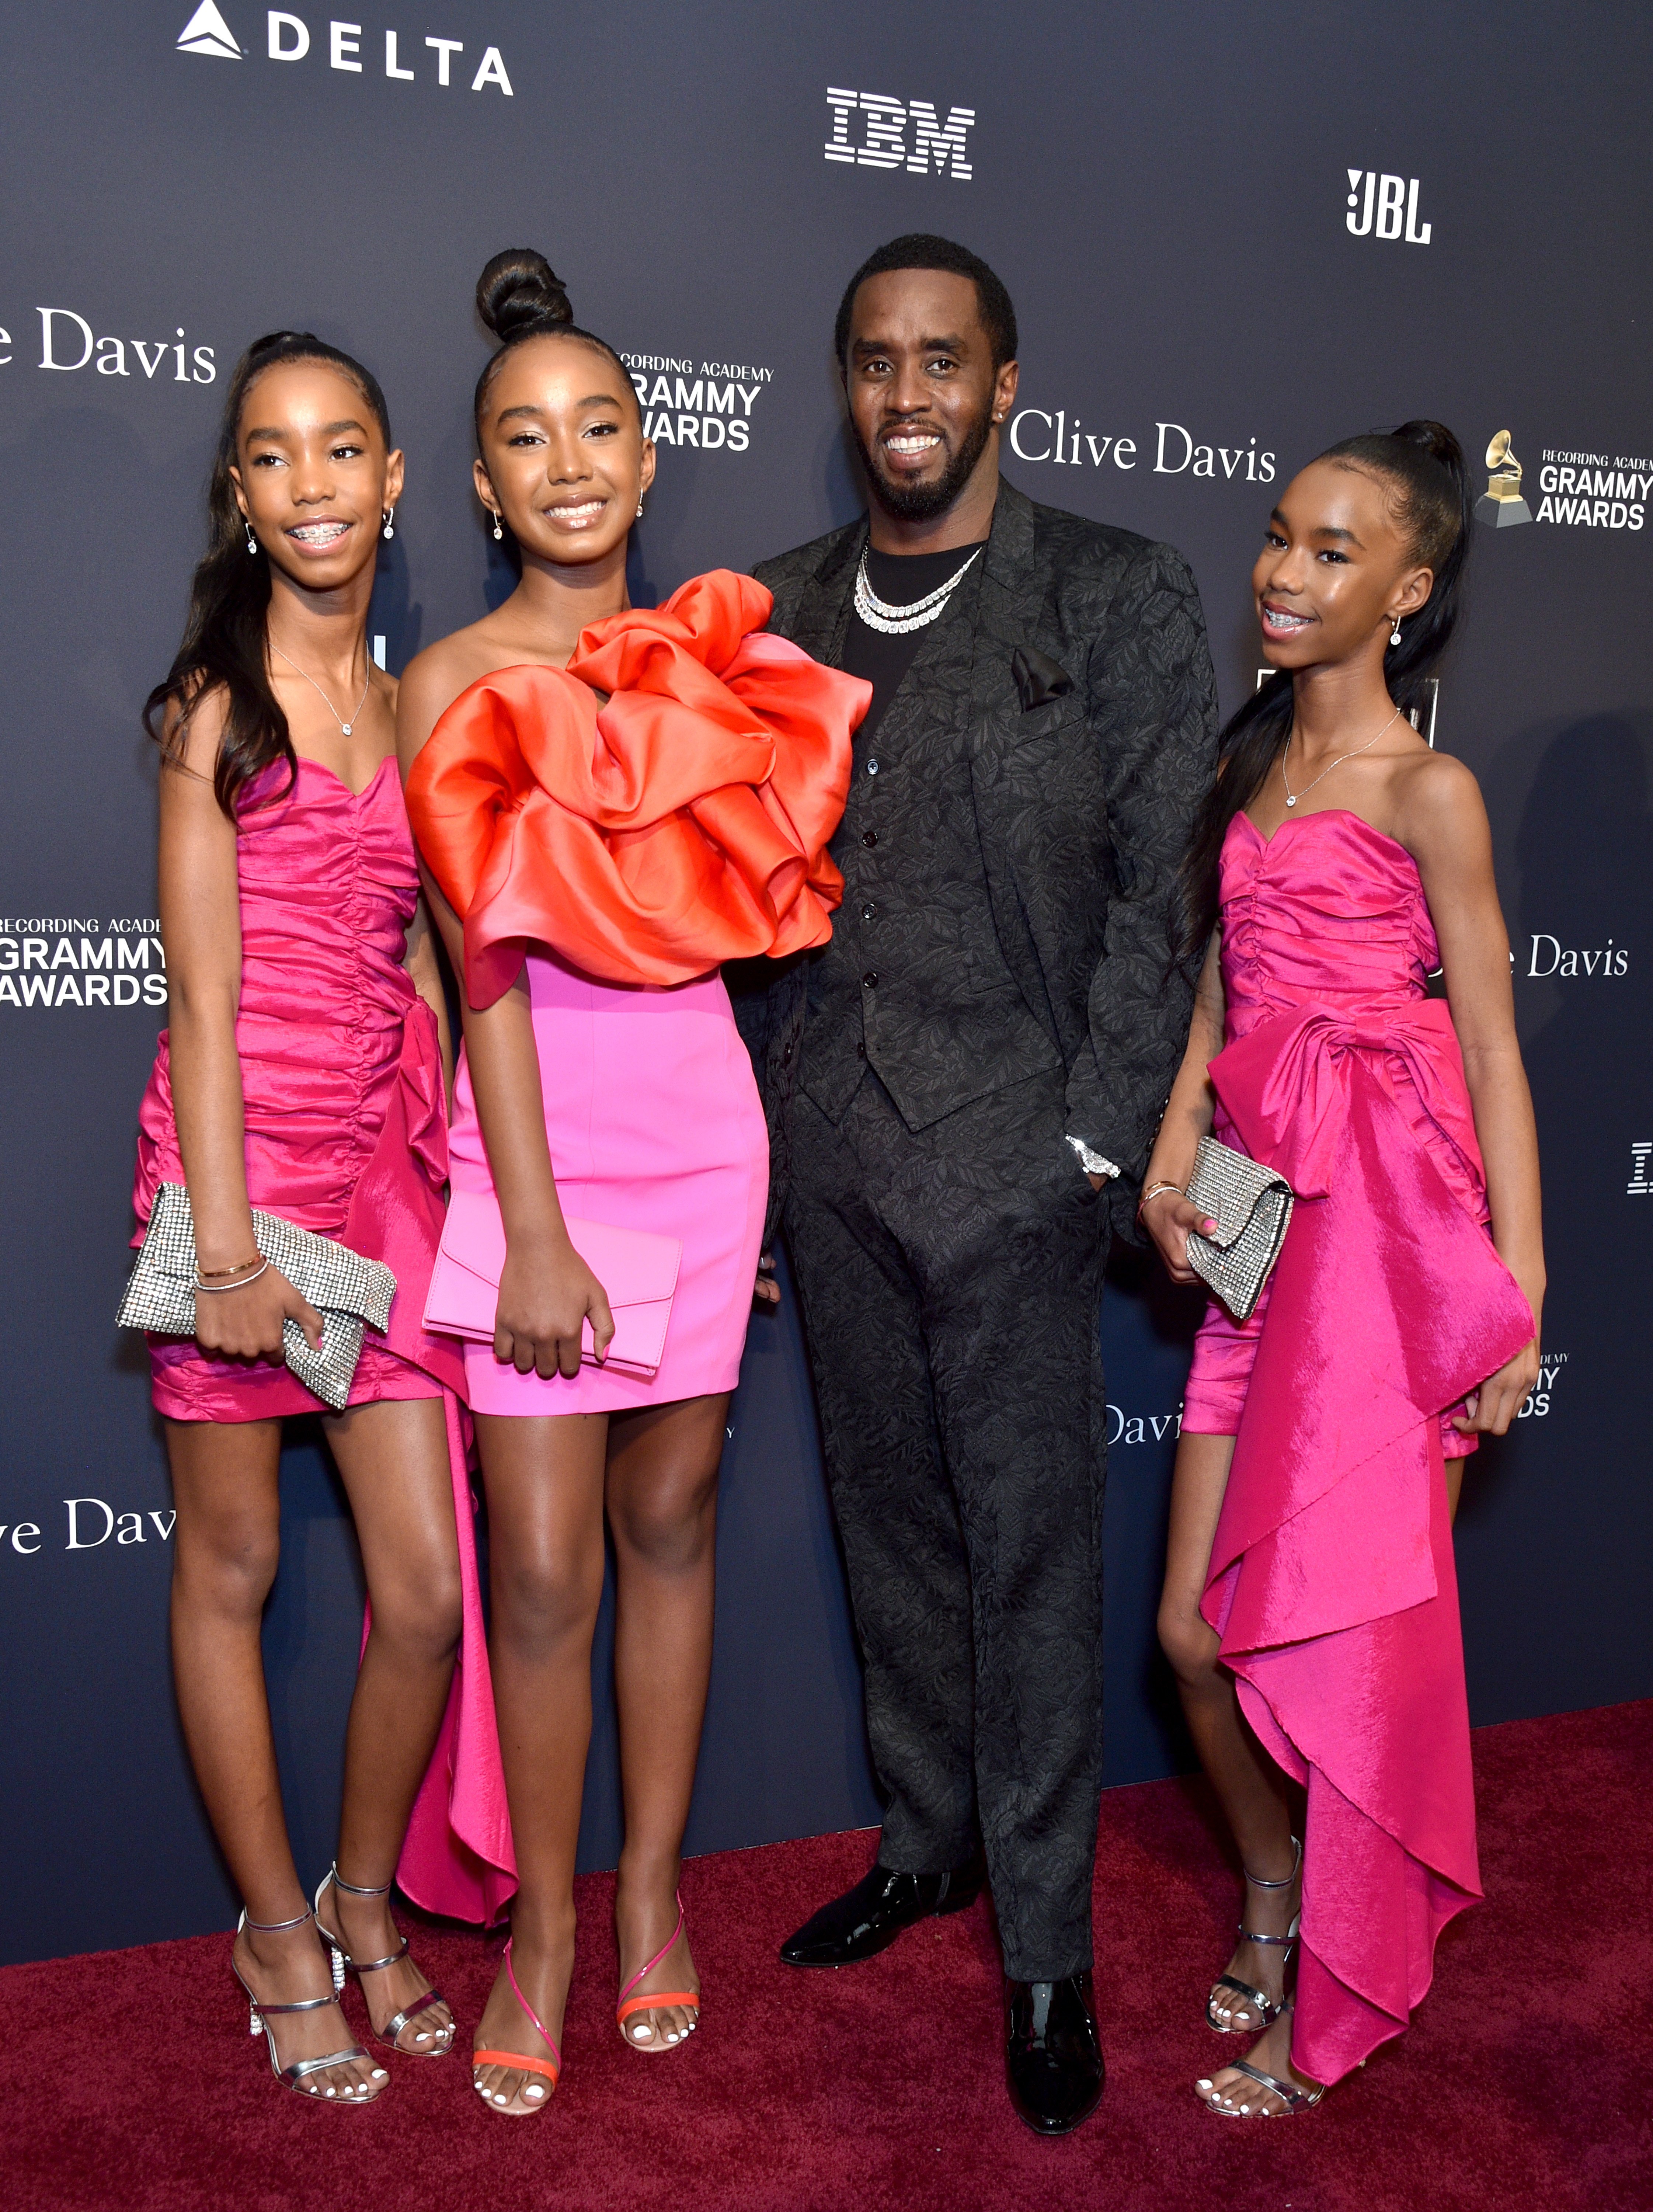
(963, 1088)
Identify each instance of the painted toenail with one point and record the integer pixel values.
(499, 2100)
(672, 2037)
(642, 2031)
(533, 2089)
(378, 2073)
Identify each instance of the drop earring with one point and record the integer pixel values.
(251, 542)
(498, 532)
(639, 511)
(1395, 635)
(390, 522)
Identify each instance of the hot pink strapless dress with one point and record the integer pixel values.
(1331, 1579)
(346, 1135)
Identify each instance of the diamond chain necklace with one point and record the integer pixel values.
(895, 621)
(346, 726)
(1291, 797)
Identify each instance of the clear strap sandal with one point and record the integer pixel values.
(1267, 2009)
(442, 2038)
(297, 2076)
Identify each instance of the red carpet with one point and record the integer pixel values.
(130, 2081)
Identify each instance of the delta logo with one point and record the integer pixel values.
(288, 39)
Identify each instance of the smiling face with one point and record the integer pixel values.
(311, 474)
(925, 398)
(1335, 570)
(563, 454)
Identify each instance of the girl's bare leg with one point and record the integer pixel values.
(662, 1509)
(1248, 1785)
(544, 1476)
(393, 1459)
(227, 1539)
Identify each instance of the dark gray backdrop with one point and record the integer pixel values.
(1176, 195)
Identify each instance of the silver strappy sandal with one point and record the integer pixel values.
(441, 2038)
(1267, 2009)
(297, 2076)
(1294, 2100)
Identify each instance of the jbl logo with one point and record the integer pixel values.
(884, 125)
(1379, 205)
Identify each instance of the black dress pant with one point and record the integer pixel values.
(950, 1281)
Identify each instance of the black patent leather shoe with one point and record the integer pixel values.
(1052, 2057)
(867, 1919)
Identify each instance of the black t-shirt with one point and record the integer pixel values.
(898, 579)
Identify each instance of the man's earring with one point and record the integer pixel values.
(1395, 635)
(495, 511)
(390, 522)
(251, 542)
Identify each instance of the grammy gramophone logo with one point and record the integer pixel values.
(1502, 507)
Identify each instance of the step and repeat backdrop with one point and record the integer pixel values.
(1227, 247)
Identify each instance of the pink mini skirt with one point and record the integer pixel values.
(655, 1123)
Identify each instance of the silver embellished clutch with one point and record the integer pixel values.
(1252, 1207)
(347, 1290)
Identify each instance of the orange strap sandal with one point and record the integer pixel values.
(630, 2005)
(551, 2070)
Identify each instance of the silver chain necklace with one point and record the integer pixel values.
(1291, 798)
(895, 621)
(346, 726)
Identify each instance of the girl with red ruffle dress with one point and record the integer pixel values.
(608, 804)
(302, 1075)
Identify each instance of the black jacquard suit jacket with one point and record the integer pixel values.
(1085, 687)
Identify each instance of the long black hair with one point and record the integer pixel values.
(223, 647)
(520, 296)
(1424, 468)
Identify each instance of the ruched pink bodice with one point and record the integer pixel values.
(328, 886)
(1331, 1579)
(1330, 912)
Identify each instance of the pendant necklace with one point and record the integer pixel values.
(895, 622)
(346, 726)
(1291, 797)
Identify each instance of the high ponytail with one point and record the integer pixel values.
(223, 647)
(1424, 465)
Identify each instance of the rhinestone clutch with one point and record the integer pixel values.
(347, 1290)
(1252, 1207)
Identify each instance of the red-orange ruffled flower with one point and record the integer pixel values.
(683, 824)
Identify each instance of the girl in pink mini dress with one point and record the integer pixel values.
(302, 1073)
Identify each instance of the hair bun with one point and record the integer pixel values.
(518, 289)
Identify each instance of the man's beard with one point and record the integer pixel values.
(923, 502)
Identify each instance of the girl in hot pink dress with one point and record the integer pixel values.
(1310, 1607)
(608, 803)
(303, 1074)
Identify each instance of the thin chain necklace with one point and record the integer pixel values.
(346, 726)
(895, 621)
(1291, 798)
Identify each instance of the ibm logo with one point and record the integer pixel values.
(884, 126)
(1638, 1185)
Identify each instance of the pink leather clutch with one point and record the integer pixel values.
(636, 1268)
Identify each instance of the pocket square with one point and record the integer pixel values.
(1039, 679)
